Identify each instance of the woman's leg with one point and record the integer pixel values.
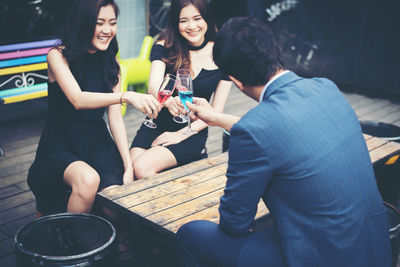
(84, 181)
(152, 161)
(135, 152)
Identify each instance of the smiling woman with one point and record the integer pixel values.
(106, 28)
(186, 43)
(76, 147)
(192, 26)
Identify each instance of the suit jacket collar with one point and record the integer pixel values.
(280, 82)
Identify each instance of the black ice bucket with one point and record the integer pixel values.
(66, 239)
(380, 129)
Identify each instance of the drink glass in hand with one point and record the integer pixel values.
(186, 94)
(181, 73)
(166, 89)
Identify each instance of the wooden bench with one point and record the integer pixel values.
(23, 71)
(172, 198)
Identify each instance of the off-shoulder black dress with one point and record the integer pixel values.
(204, 85)
(71, 135)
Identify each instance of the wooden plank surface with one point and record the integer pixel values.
(186, 195)
(210, 215)
(171, 187)
(163, 177)
(187, 208)
(374, 143)
(384, 152)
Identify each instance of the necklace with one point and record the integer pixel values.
(195, 48)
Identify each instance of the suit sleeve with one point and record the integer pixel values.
(249, 173)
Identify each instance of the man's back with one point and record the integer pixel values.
(312, 167)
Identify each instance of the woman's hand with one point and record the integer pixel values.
(169, 138)
(146, 103)
(174, 106)
(128, 174)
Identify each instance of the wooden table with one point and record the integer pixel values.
(172, 198)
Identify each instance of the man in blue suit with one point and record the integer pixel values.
(302, 151)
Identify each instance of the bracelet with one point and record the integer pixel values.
(120, 99)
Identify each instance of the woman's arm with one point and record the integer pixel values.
(157, 73)
(118, 131)
(59, 70)
(218, 103)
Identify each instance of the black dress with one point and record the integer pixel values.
(204, 85)
(73, 135)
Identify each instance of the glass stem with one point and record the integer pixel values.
(189, 123)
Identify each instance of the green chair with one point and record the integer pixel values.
(136, 71)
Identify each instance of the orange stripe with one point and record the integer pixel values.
(392, 160)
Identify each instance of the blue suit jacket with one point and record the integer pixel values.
(302, 151)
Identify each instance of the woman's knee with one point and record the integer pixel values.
(87, 183)
(143, 168)
(153, 161)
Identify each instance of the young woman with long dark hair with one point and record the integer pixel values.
(76, 149)
(186, 43)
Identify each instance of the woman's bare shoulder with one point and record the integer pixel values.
(55, 58)
(161, 42)
(55, 53)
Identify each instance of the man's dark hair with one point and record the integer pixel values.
(246, 49)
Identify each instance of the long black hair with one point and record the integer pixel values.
(79, 29)
(174, 42)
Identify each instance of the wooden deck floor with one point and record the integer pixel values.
(21, 125)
